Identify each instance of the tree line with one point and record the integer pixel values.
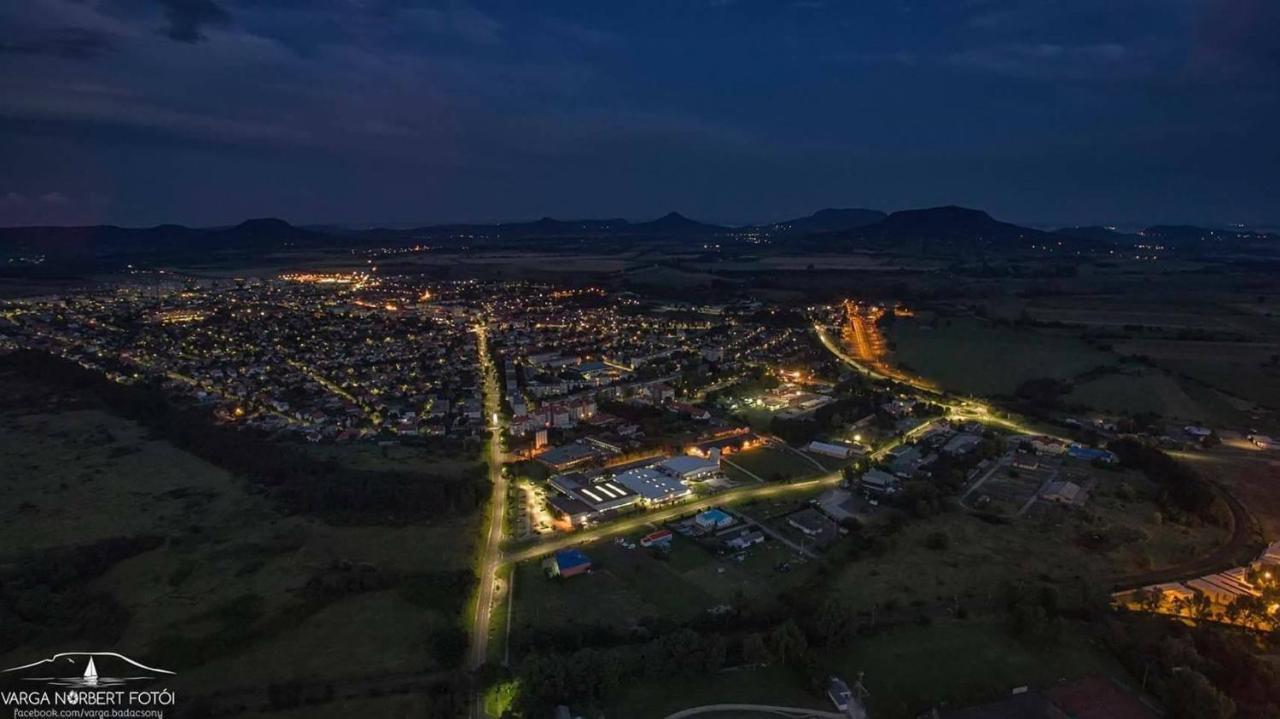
(43, 594)
(1181, 486)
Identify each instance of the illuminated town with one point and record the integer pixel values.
(615, 422)
(639, 360)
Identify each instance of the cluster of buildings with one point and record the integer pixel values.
(793, 400)
(581, 499)
(1257, 581)
(912, 460)
(559, 346)
(330, 357)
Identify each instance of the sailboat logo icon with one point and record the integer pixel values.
(85, 670)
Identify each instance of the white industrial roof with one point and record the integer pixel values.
(686, 464)
(651, 484)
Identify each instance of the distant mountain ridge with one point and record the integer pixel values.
(947, 229)
(1095, 233)
(102, 240)
(831, 220)
(677, 223)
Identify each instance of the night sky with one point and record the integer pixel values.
(375, 111)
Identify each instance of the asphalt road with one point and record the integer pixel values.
(490, 558)
(634, 523)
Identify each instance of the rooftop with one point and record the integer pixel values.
(567, 454)
(686, 464)
(651, 484)
(568, 558)
(715, 515)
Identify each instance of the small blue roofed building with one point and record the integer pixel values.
(1091, 454)
(568, 562)
(714, 519)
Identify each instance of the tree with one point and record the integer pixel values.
(788, 642)
(1234, 610)
(717, 649)
(754, 650)
(833, 622)
(1200, 605)
(1151, 599)
(1192, 696)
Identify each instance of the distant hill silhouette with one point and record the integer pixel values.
(675, 223)
(94, 241)
(949, 223)
(937, 230)
(946, 230)
(1096, 233)
(1191, 235)
(830, 220)
(550, 227)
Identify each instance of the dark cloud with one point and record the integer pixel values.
(399, 110)
(187, 18)
(70, 43)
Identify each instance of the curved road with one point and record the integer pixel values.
(1232, 553)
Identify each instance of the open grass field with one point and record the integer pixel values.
(906, 670)
(773, 685)
(1116, 313)
(389, 707)
(805, 263)
(229, 580)
(1242, 369)
(628, 586)
(661, 276)
(773, 464)
(366, 635)
(1156, 391)
(1048, 544)
(975, 357)
(909, 669)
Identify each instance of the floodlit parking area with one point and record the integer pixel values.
(529, 512)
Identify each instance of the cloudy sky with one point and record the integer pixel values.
(366, 111)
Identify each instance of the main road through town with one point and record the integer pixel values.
(491, 553)
(493, 557)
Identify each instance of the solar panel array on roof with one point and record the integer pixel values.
(605, 496)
